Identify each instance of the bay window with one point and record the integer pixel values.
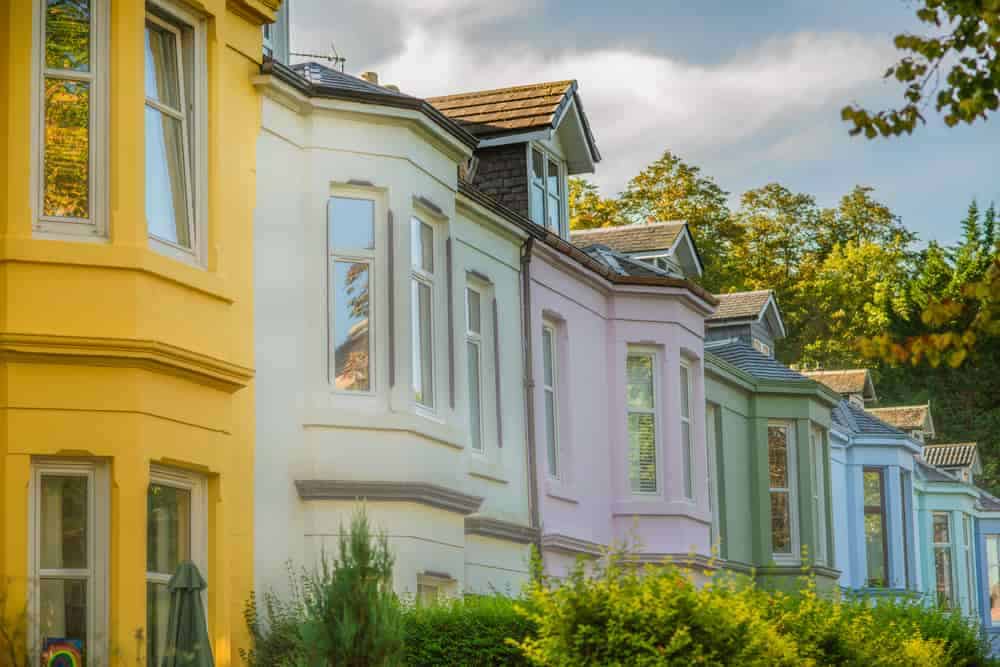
(783, 490)
(422, 290)
(642, 432)
(69, 547)
(545, 183)
(875, 527)
(474, 353)
(970, 569)
(176, 531)
(907, 509)
(686, 449)
(550, 394)
(71, 101)
(175, 71)
(351, 257)
(943, 573)
(993, 576)
(819, 495)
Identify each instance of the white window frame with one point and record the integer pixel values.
(687, 446)
(654, 355)
(477, 339)
(761, 346)
(336, 254)
(98, 550)
(944, 546)
(95, 227)
(792, 490)
(196, 485)
(553, 459)
(992, 567)
(711, 443)
(970, 567)
(431, 280)
(547, 157)
(819, 494)
(191, 32)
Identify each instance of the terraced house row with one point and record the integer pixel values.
(239, 296)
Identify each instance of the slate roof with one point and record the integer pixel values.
(932, 474)
(502, 110)
(624, 265)
(321, 75)
(989, 502)
(951, 455)
(749, 360)
(739, 305)
(907, 417)
(631, 238)
(843, 382)
(851, 417)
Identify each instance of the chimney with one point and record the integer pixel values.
(370, 77)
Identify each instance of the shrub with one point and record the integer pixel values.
(471, 631)
(13, 635)
(274, 626)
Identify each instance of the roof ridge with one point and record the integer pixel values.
(525, 86)
(630, 225)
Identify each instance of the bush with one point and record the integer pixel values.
(473, 631)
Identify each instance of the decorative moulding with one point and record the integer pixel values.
(125, 352)
(501, 530)
(258, 11)
(423, 493)
(571, 545)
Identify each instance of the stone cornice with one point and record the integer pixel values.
(125, 352)
(500, 530)
(422, 493)
(571, 545)
(256, 11)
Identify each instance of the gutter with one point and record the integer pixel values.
(529, 394)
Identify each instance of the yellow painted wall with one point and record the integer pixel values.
(112, 350)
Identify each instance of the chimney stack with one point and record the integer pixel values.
(370, 77)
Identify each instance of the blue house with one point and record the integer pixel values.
(988, 567)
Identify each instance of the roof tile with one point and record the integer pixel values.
(951, 455)
(738, 305)
(631, 238)
(906, 417)
(749, 360)
(843, 382)
(488, 112)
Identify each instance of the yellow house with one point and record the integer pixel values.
(127, 150)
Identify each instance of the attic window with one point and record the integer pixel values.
(547, 191)
(762, 347)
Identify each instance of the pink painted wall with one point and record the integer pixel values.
(595, 324)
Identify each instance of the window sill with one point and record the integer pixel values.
(660, 507)
(332, 418)
(559, 490)
(483, 469)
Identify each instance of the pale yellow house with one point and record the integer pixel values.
(127, 150)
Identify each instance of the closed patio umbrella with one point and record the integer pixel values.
(187, 635)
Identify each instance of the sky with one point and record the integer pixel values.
(748, 90)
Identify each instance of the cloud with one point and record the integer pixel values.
(641, 104)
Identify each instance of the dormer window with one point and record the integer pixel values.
(546, 190)
(762, 347)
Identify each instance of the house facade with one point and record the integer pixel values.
(127, 155)
(987, 536)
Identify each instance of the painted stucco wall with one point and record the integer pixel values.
(307, 430)
(595, 324)
(129, 357)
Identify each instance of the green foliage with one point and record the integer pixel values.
(588, 209)
(13, 635)
(471, 631)
(959, 69)
(274, 626)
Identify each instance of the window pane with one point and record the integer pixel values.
(685, 392)
(552, 185)
(553, 178)
(642, 453)
(64, 529)
(351, 223)
(993, 575)
(552, 219)
(475, 409)
(875, 549)
(686, 454)
(777, 456)
(62, 612)
(547, 353)
(472, 310)
(873, 488)
(942, 534)
(157, 618)
(166, 191)
(639, 371)
(537, 167)
(162, 78)
(942, 573)
(67, 34)
(781, 523)
(423, 378)
(67, 149)
(168, 528)
(550, 432)
(352, 335)
(538, 204)
(422, 245)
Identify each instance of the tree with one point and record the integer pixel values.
(968, 50)
(860, 218)
(588, 209)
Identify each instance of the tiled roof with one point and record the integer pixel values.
(951, 455)
(906, 417)
(751, 361)
(631, 238)
(843, 382)
(989, 502)
(738, 305)
(502, 110)
(624, 265)
(932, 474)
(321, 75)
(851, 417)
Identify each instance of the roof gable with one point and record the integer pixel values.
(907, 417)
(756, 306)
(846, 382)
(953, 455)
(673, 239)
